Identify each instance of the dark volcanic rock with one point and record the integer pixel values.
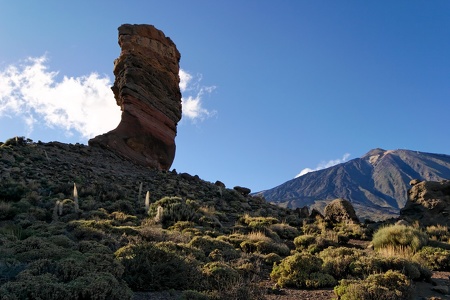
(147, 90)
(429, 203)
(340, 210)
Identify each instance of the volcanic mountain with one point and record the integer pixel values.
(376, 183)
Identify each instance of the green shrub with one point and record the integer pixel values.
(438, 232)
(219, 274)
(366, 265)
(391, 285)
(170, 210)
(399, 236)
(208, 244)
(301, 270)
(264, 247)
(225, 282)
(302, 242)
(285, 231)
(194, 295)
(314, 243)
(337, 261)
(150, 268)
(99, 285)
(68, 279)
(271, 258)
(258, 223)
(437, 259)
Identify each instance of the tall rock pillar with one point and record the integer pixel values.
(147, 90)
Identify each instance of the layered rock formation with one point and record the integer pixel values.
(428, 202)
(147, 90)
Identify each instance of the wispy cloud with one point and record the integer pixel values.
(324, 165)
(75, 104)
(192, 100)
(82, 105)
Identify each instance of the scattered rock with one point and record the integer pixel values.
(220, 184)
(302, 212)
(242, 190)
(414, 182)
(315, 213)
(147, 90)
(443, 289)
(340, 210)
(429, 203)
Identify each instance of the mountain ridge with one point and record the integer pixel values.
(375, 183)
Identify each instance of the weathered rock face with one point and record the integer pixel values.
(340, 210)
(147, 90)
(428, 202)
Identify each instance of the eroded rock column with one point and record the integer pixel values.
(147, 90)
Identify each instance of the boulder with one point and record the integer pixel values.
(147, 90)
(242, 190)
(340, 210)
(429, 203)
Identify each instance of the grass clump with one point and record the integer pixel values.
(398, 236)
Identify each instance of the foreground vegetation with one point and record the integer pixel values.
(73, 227)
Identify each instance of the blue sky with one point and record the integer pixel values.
(276, 87)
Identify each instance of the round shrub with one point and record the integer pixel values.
(399, 236)
(366, 265)
(149, 268)
(302, 242)
(437, 259)
(301, 270)
(337, 261)
(220, 274)
(285, 231)
(208, 244)
(170, 210)
(391, 285)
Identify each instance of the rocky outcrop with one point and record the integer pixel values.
(147, 90)
(428, 202)
(340, 210)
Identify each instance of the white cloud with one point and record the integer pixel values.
(83, 104)
(192, 101)
(324, 165)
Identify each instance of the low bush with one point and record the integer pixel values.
(437, 259)
(337, 261)
(438, 233)
(285, 231)
(170, 210)
(258, 223)
(315, 243)
(208, 244)
(150, 268)
(391, 285)
(366, 265)
(301, 270)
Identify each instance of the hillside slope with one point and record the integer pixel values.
(376, 183)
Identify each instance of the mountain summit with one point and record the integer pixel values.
(376, 183)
